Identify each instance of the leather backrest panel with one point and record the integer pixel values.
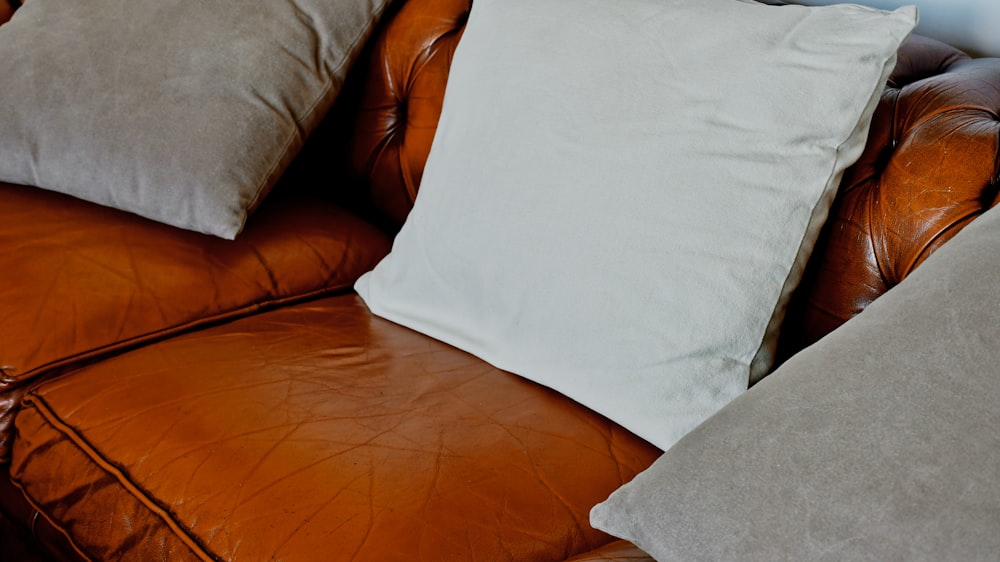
(930, 167)
(402, 100)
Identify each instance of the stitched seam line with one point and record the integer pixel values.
(137, 493)
(10, 379)
(39, 511)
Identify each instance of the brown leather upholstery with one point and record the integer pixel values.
(929, 168)
(402, 100)
(319, 432)
(6, 10)
(315, 432)
(618, 551)
(89, 280)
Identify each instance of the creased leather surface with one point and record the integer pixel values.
(80, 281)
(402, 98)
(316, 432)
(15, 508)
(931, 166)
(618, 551)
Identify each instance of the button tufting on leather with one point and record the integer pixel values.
(929, 169)
(403, 95)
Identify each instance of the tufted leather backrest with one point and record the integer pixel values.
(929, 168)
(401, 102)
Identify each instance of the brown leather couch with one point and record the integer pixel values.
(170, 396)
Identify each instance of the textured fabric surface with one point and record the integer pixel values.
(316, 432)
(624, 223)
(182, 112)
(880, 442)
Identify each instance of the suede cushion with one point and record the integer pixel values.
(621, 195)
(182, 112)
(880, 442)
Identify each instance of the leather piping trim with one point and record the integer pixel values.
(40, 512)
(9, 379)
(43, 409)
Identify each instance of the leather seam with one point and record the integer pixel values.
(109, 468)
(10, 380)
(40, 512)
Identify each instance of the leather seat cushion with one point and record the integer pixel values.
(316, 428)
(82, 281)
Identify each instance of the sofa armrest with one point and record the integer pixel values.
(930, 167)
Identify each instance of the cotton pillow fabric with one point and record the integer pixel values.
(183, 112)
(880, 442)
(621, 195)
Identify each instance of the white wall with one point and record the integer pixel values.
(971, 25)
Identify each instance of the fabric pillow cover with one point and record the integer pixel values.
(879, 442)
(182, 112)
(621, 195)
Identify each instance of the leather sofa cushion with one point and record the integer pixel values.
(618, 551)
(82, 281)
(316, 429)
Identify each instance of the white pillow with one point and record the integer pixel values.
(622, 194)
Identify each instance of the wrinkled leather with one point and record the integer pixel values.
(929, 168)
(316, 432)
(16, 508)
(618, 551)
(81, 281)
(402, 97)
(316, 429)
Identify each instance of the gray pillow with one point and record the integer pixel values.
(880, 442)
(182, 112)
